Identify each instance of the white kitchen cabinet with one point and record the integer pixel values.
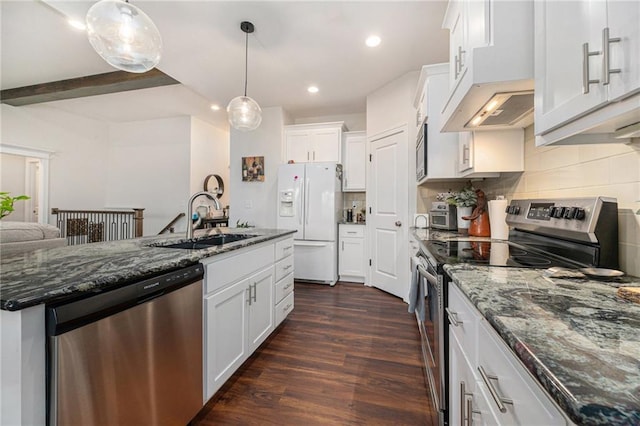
(239, 310)
(490, 52)
(476, 350)
(442, 149)
(490, 152)
(575, 96)
(354, 162)
(284, 299)
(351, 257)
(312, 143)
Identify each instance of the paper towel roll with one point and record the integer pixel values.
(498, 219)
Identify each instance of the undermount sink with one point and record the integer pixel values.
(204, 243)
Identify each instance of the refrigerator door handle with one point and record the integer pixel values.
(299, 203)
(306, 198)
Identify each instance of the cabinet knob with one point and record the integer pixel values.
(398, 223)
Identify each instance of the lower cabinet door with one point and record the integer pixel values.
(261, 316)
(226, 321)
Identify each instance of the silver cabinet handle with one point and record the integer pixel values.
(460, 63)
(287, 248)
(287, 267)
(307, 155)
(286, 308)
(351, 232)
(500, 401)
(314, 156)
(249, 297)
(585, 67)
(343, 246)
(456, 61)
(453, 318)
(287, 286)
(606, 66)
(466, 150)
(255, 292)
(471, 411)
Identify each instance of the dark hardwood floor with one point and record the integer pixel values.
(347, 354)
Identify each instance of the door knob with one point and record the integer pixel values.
(398, 223)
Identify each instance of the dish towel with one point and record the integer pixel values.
(417, 290)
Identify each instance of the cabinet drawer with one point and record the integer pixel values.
(284, 248)
(284, 267)
(352, 231)
(463, 321)
(225, 271)
(284, 308)
(284, 287)
(531, 405)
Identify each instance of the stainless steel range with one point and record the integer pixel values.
(570, 233)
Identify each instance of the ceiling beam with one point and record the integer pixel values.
(99, 84)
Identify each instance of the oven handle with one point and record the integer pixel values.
(453, 317)
(430, 277)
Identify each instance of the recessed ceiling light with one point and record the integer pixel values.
(312, 89)
(373, 41)
(215, 107)
(78, 25)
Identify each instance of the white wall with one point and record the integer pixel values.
(255, 202)
(77, 173)
(149, 167)
(12, 180)
(209, 155)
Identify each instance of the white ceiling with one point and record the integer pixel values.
(295, 44)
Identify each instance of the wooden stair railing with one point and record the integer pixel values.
(169, 226)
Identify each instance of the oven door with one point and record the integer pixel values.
(432, 336)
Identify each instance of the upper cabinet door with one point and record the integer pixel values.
(567, 57)
(297, 145)
(457, 43)
(354, 161)
(326, 145)
(313, 143)
(624, 23)
(587, 74)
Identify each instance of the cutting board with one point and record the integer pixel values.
(630, 293)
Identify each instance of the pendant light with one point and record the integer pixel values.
(124, 35)
(244, 113)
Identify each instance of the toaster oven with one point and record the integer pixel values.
(443, 216)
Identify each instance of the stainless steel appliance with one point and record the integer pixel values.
(569, 233)
(421, 151)
(128, 356)
(443, 216)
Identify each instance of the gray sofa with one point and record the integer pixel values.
(22, 237)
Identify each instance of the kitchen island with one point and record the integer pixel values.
(577, 337)
(31, 280)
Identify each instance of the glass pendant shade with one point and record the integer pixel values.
(244, 113)
(124, 36)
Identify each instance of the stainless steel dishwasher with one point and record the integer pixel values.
(130, 356)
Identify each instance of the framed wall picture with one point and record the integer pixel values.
(253, 169)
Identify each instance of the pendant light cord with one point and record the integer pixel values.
(246, 60)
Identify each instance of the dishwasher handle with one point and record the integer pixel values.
(63, 317)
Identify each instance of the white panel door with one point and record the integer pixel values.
(291, 181)
(389, 200)
(319, 199)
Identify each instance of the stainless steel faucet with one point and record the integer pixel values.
(209, 195)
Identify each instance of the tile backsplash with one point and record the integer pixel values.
(611, 170)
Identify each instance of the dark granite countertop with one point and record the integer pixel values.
(48, 275)
(576, 336)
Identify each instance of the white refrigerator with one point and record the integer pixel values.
(310, 201)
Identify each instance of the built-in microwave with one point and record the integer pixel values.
(421, 152)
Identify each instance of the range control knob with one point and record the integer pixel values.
(559, 212)
(570, 213)
(516, 210)
(580, 213)
(507, 210)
